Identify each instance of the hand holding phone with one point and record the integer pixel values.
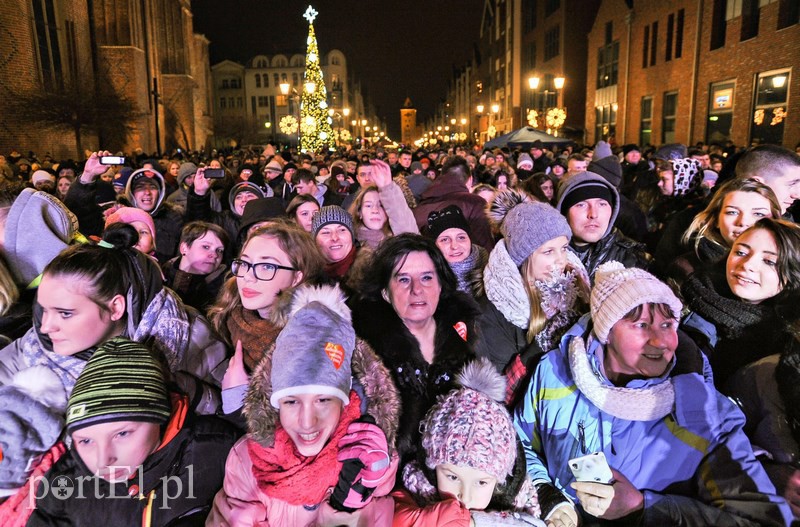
(214, 173)
(112, 160)
(593, 468)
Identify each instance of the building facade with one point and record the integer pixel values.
(249, 103)
(144, 53)
(711, 71)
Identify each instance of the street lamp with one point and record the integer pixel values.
(533, 82)
(480, 108)
(558, 82)
(285, 89)
(346, 112)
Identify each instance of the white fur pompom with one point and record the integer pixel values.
(43, 385)
(480, 375)
(331, 297)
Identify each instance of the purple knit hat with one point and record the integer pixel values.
(470, 426)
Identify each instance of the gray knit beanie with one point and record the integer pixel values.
(331, 214)
(315, 348)
(526, 224)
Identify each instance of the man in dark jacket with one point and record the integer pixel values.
(591, 205)
(146, 190)
(452, 188)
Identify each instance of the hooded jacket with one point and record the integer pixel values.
(175, 487)
(613, 245)
(155, 316)
(241, 502)
(717, 481)
(168, 218)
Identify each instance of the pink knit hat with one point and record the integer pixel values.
(470, 426)
(131, 214)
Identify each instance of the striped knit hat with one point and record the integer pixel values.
(123, 381)
(331, 214)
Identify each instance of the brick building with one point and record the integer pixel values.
(686, 71)
(125, 49)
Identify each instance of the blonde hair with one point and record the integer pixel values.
(706, 224)
(9, 294)
(303, 253)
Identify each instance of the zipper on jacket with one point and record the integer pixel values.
(582, 437)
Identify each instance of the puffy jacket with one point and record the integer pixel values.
(175, 487)
(695, 466)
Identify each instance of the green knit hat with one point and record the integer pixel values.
(122, 381)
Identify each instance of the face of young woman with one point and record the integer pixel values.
(372, 213)
(310, 420)
(71, 320)
(547, 188)
(414, 289)
(752, 266)
(550, 259)
(502, 182)
(641, 348)
(114, 451)
(145, 243)
(63, 186)
(454, 244)
(739, 211)
(473, 488)
(304, 215)
(259, 295)
(335, 241)
(203, 255)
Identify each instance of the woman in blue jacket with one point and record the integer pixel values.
(624, 382)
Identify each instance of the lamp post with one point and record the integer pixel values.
(293, 97)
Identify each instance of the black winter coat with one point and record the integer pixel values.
(418, 382)
(614, 246)
(195, 457)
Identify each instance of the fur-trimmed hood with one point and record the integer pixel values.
(370, 376)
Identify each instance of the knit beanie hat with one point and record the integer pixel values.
(261, 209)
(688, 174)
(606, 164)
(186, 170)
(618, 290)
(672, 151)
(274, 166)
(243, 186)
(122, 381)
(131, 214)
(450, 217)
(470, 426)
(121, 177)
(627, 149)
(526, 224)
(601, 150)
(315, 347)
(587, 185)
(331, 214)
(41, 176)
(525, 161)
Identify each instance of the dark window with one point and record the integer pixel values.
(679, 35)
(295, 82)
(718, 24)
(530, 57)
(551, 43)
(239, 102)
(266, 80)
(668, 116)
(646, 122)
(608, 65)
(258, 80)
(262, 101)
(609, 32)
(645, 46)
(253, 104)
(276, 79)
(670, 29)
(653, 43)
(551, 6)
(226, 84)
(48, 47)
(222, 102)
(788, 13)
(750, 13)
(529, 15)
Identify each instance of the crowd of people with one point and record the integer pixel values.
(552, 336)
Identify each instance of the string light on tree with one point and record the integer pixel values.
(316, 131)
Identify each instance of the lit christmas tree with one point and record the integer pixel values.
(314, 121)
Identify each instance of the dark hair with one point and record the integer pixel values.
(458, 166)
(533, 186)
(393, 252)
(101, 268)
(787, 239)
(195, 230)
(403, 152)
(303, 174)
(767, 162)
(663, 309)
(297, 201)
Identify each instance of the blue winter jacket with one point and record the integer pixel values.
(695, 466)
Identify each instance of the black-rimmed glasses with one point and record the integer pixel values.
(262, 271)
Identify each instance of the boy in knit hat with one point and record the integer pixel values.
(132, 437)
(469, 460)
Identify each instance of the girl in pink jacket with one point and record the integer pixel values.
(320, 444)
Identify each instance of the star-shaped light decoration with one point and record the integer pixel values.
(310, 14)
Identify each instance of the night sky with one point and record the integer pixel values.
(398, 48)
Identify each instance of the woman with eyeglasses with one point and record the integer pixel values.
(274, 260)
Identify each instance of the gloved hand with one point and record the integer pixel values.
(365, 457)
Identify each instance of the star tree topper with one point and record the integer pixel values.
(310, 14)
